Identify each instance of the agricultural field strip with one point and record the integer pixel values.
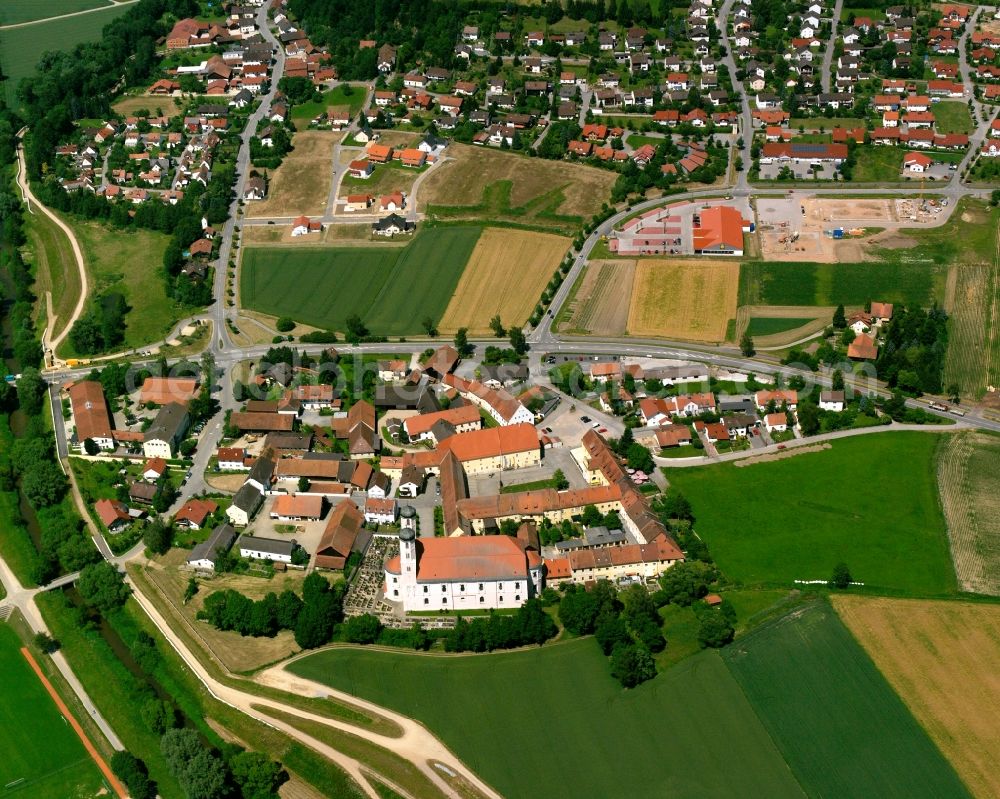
(968, 464)
(840, 726)
(505, 275)
(683, 299)
(391, 288)
(823, 506)
(20, 48)
(941, 659)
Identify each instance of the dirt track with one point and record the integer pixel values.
(416, 743)
(22, 181)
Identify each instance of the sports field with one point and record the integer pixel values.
(301, 185)
(869, 501)
(21, 48)
(392, 288)
(506, 275)
(835, 719)
(941, 659)
(42, 756)
(552, 722)
(691, 300)
(968, 465)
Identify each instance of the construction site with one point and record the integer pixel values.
(828, 230)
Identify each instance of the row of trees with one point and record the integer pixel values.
(529, 624)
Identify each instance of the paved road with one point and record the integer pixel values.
(741, 189)
(827, 73)
(770, 449)
(222, 340)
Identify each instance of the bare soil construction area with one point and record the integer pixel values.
(941, 658)
(600, 306)
(301, 185)
(794, 229)
(690, 299)
(968, 465)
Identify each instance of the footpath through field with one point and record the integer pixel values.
(88, 745)
(48, 344)
(110, 5)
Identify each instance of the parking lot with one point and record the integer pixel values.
(801, 170)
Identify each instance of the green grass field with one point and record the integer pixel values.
(39, 746)
(769, 325)
(869, 501)
(840, 726)
(13, 12)
(393, 289)
(21, 48)
(302, 114)
(878, 164)
(129, 262)
(551, 721)
(952, 117)
(784, 283)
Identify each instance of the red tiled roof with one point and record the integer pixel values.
(90, 411)
(492, 442)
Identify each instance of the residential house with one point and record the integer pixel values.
(207, 554)
(162, 438)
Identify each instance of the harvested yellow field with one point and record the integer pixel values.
(941, 659)
(690, 300)
(506, 275)
(301, 185)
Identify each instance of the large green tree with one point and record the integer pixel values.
(102, 586)
(632, 664)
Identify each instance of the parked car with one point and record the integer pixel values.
(585, 419)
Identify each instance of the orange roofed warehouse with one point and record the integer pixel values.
(719, 231)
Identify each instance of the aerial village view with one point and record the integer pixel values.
(499, 399)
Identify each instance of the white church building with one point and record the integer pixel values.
(460, 573)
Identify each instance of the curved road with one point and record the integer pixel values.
(416, 744)
(49, 344)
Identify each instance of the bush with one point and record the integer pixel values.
(632, 664)
(715, 630)
(285, 324)
(132, 771)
